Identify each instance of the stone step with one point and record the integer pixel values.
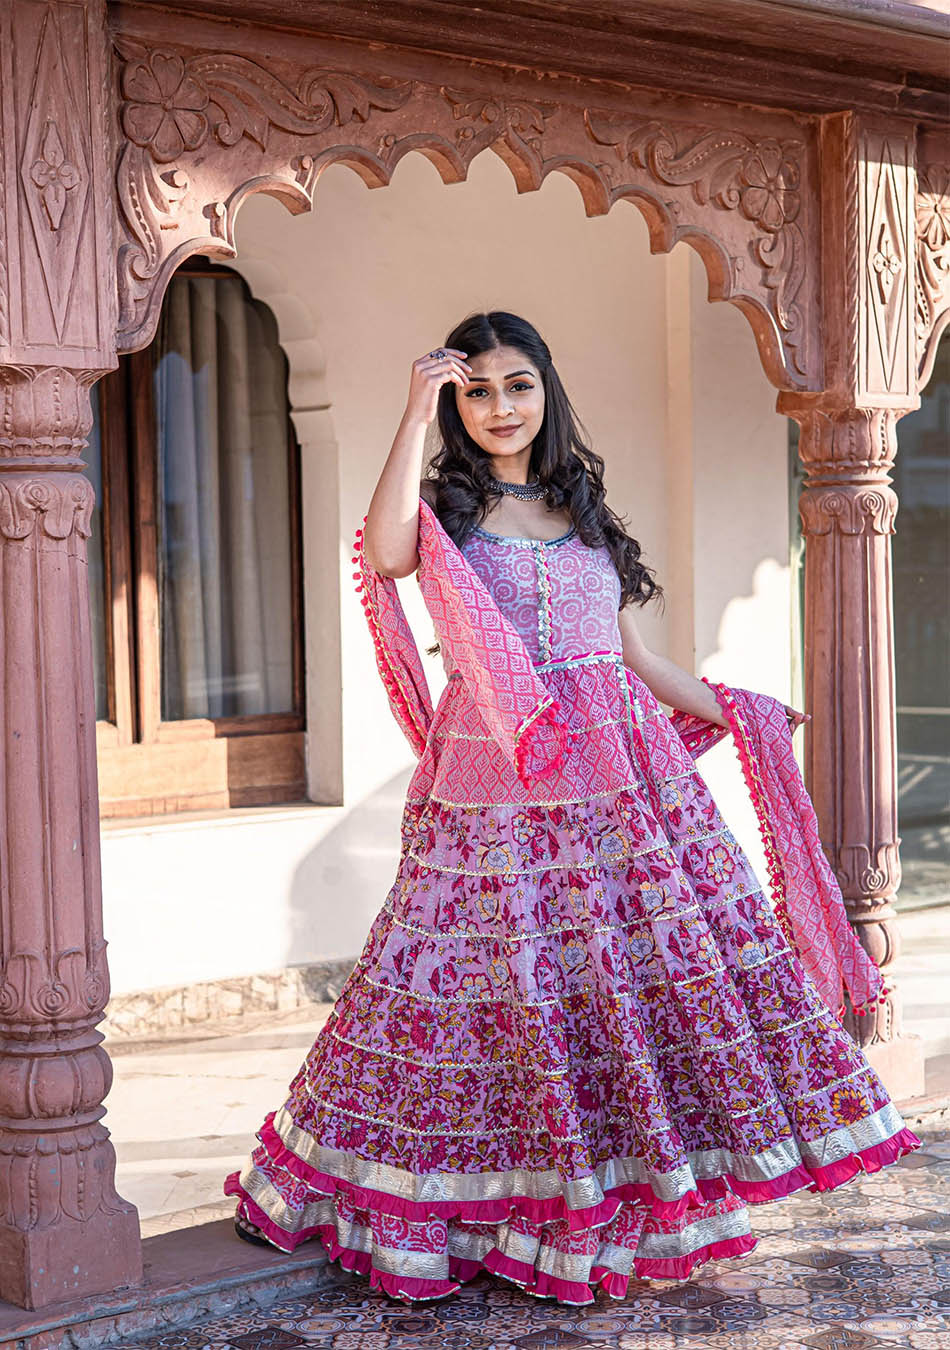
(190, 1273)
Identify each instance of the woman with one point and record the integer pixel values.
(579, 1041)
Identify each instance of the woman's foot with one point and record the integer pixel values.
(249, 1231)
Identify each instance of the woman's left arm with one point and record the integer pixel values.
(670, 683)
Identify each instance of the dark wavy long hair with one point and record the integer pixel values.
(561, 458)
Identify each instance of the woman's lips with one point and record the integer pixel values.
(504, 431)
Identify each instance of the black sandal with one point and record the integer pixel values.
(247, 1235)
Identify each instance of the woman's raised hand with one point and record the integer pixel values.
(392, 522)
(429, 373)
(795, 718)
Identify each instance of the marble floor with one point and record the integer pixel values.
(865, 1266)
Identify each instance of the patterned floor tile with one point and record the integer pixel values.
(937, 1148)
(864, 1267)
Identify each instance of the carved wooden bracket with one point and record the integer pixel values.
(932, 311)
(200, 131)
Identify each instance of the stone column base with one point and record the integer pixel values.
(43, 1266)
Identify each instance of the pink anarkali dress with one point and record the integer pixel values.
(579, 1042)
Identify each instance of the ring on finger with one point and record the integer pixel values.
(439, 354)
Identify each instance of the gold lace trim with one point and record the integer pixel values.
(566, 998)
(576, 1061)
(644, 922)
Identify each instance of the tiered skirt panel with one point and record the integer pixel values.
(577, 1045)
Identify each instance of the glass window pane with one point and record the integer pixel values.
(224, 547)
(921, 547)
(94, 554)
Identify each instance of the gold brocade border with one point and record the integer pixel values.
(717, 1228)
(510, 1242)
(586, 1192)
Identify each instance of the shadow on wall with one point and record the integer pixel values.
(340, 886)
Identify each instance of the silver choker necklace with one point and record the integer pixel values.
(525, 492)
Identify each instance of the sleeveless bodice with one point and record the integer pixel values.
(560, 595)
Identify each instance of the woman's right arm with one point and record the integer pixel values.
(391, 531)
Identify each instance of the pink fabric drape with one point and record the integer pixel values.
(519, 711)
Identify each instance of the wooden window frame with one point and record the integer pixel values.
(148, 766)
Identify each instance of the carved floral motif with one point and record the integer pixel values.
(886, 263)
(768, 192)
(761, 180)
(55, 506)
(933, 207)
(484, 120)
(933, 261)
(848, 510)
(165, 108)
(171, 103)
(38, 986)
(54, 175)
(177, 105)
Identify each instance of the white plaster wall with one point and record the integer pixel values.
(742, 597)
(666, 384)
(217, 897)
(741, 600)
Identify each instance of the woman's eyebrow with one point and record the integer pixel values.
(483, 379)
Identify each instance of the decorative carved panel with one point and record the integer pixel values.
(933, 251)
(200, 130)
(760, 179)
(886, 355)
(55, 236)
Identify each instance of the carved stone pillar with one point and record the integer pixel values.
(63, 1230)
(848, 509)
(847, 443)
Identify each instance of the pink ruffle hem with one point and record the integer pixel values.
(500, 1211)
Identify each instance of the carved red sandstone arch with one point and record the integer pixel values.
(201, 131)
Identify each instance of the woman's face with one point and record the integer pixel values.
(502, 405)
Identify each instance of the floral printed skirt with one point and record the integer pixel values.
(577, 1046)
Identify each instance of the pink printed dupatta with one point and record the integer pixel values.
(524, 719)
(520, 713)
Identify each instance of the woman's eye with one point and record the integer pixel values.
(518, 387)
